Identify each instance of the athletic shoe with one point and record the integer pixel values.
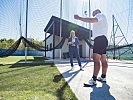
(101, 79)
(90, 83)
(81, 68)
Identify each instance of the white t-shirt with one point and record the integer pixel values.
(100, 27)
(73, 39)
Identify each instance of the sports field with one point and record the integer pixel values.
(32, 81)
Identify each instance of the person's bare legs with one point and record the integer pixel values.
(104, 64)
(96, 58)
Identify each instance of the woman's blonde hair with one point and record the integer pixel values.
(72, 31)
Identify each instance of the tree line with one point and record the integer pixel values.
(7, 43)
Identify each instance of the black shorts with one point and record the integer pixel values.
(100, 45)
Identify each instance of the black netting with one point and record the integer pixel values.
(88, 43)
(14, 47)
(61, 43)
(33, 45)
(41, 48)
(119, 47)
(109, 48)
(11, 50)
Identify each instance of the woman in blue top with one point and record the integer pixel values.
(73, 43)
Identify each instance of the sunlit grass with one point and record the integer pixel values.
(32, 81)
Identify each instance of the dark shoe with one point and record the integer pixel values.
(81, 68)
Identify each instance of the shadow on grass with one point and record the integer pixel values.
(37, 61)
(57, 78)
(101, 93)
(1, 65)
(60, 92)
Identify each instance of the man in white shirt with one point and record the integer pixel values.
(100, 28)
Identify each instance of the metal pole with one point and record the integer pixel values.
(89, 28)
(26, 31)
(45, 43)
(60, 23)
(85, 12)
(20, 20)
(53, 41)
(113, 36)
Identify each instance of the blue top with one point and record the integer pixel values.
(76, 42)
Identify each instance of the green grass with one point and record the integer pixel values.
(33, 81)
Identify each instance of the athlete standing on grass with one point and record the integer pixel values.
(100, 28)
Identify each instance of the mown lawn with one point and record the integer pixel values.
(32, 81)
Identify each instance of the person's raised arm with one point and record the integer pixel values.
(88, 20)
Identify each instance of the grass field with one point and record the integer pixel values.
(32, 81)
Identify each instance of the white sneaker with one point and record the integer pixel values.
(72, 68)
(90, 83)
(101, 79)
(81, 68)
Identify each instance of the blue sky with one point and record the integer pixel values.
(40, 12)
